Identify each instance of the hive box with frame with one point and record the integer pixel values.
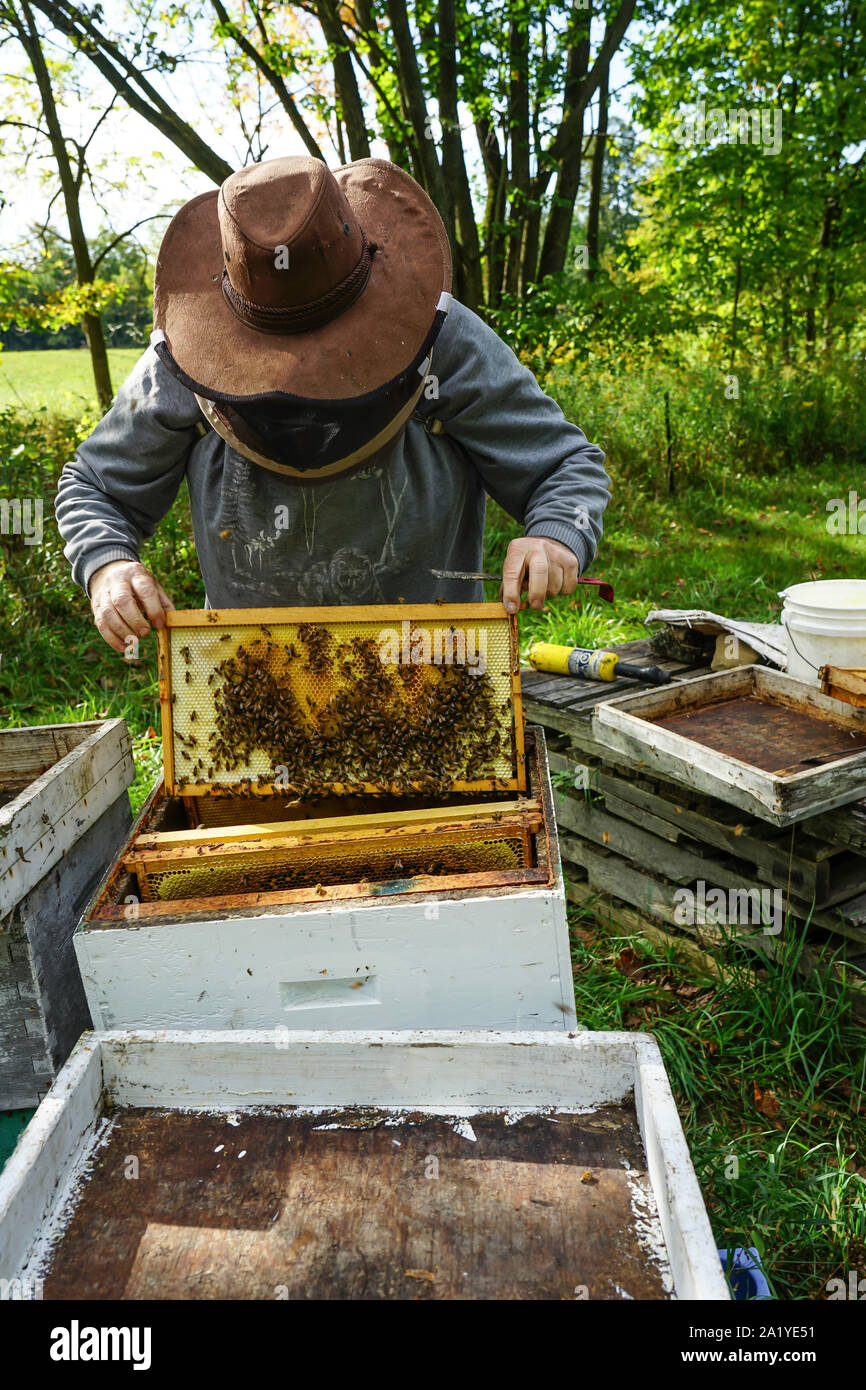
(353, 829)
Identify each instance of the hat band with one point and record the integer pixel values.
(299, 318)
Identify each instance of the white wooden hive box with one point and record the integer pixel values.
(357, 1165)
(458, 942)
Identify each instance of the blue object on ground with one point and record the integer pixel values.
(743, 1268)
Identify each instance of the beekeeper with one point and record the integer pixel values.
(339, 418)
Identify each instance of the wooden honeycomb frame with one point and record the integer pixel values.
(223, 633)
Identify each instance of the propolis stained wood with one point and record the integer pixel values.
(771, 745)
(372, 699)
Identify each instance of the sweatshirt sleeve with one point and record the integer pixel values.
(126, 475)
(536, 464)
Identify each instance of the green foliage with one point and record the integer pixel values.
(781, 419)
(765, 245)
(753, 479)
(567, 322)
(42, 304)
(55, 667)
(25, 303)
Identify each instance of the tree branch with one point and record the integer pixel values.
(121, 236)
(270, 74)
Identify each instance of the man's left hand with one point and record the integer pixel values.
(544, 567)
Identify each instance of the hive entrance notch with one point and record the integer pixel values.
(313, 702)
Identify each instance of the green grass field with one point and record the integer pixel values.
(748, 517)
(60, 380)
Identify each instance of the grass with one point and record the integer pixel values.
(730, 546)
(786, 1178)
(59, 380)
(748, 517)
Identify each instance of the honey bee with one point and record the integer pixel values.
(187, 678)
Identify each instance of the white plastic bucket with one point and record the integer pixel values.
(825, 623)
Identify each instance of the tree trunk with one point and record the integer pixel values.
(268, 72)
(561, 216)
(412, 93)
(93, 333)
(828, 243)
(530, 244)
(375, 70)
(518, 140)
(470, 283)
(734, 314)
(572, 119)
(596, 179)
(70, 183)
(786, 322)
(349, 105)
(122, 74)
(492, 235)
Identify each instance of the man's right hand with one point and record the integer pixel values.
(127, 601)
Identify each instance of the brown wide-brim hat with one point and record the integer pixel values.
(301, 306)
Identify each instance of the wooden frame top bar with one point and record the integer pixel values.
(348, 613)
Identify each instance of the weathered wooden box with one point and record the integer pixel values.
(64, 810)
(357, 1165)
(752, 736)
(439, 937)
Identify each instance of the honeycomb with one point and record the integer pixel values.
(277, 870)
(389, 703)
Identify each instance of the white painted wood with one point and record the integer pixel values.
(47, 817)
(623, 726)
(439, 1072)
(38, 1173)
(475, 962)
(483, 960)
(688, 1235)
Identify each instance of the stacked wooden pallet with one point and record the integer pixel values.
(647, 853)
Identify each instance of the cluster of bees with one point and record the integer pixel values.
(407, 728)
(319, 643)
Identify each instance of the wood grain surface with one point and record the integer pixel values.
(361, 1204)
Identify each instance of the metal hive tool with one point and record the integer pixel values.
(315, 701)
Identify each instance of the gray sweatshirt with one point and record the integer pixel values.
(371, 537)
